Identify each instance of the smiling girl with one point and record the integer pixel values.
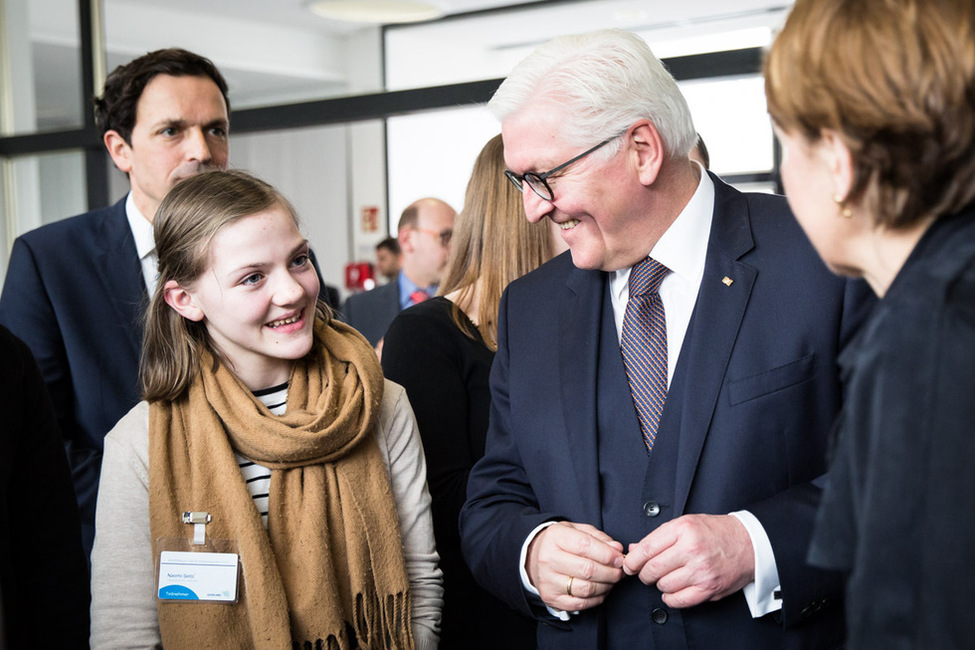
(269, 424)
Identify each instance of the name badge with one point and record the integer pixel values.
(198, 576)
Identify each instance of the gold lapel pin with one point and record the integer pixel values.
(726, 281)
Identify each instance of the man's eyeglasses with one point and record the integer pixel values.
(537, 181)
(443, 235)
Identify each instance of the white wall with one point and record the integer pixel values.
(308, 166)
(366, 166)
(432, 154)
(63, 192)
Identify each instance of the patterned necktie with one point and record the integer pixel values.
(644, 345)
(418, 296)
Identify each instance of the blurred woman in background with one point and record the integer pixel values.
(441, 352)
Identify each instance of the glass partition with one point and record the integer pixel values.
(730, 115)
(27, 205)
(309, 166)
(432, 154)
(487, 45)
(42, 87)
(293, 58)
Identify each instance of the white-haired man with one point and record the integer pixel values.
(652, 448)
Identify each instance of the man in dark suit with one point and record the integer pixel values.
(614, 524)
(76, 289)
(424, 232)
(388, 258)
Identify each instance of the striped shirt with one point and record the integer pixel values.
(257, 478)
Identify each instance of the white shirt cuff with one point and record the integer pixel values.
(526, 583)
(760, 593)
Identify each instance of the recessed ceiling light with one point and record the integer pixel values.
(630, 15)
(377, 11)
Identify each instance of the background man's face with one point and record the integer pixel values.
(387, 262)
(180, 130)
(424, 254)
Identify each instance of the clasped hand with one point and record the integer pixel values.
(591, 558)
(692, 559)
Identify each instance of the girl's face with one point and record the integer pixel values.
(257, 297)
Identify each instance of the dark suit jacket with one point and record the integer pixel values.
(744, 427)
(372, 311)
(74, 293)
(327, 293)
(330, 296)
(43, 569)
(901, 478)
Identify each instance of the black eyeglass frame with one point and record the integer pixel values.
(534, 178)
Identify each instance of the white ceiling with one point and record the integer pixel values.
(294, 13)
(277, 51)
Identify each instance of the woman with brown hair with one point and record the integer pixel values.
(269, 492)
(874, 104)
(441, 351)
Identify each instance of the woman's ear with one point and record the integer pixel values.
(182, 301)
(839, 162)
(648, 149)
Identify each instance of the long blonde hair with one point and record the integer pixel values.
(185, 224)
(493, 244)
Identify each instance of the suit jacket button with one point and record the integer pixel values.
(659, 616)
(651, 508)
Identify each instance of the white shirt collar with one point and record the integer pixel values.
(145, 243)
(683, 247)
(141, 228)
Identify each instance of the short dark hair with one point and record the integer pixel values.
(115, 110)
(391, 244)
(410, 216)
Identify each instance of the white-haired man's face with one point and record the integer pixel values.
(598, 204)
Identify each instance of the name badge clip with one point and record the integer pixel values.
(199, 521)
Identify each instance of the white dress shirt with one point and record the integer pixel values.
(145, 244)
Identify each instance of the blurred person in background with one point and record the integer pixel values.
(441, 352)
(388, 258)
(424, 233)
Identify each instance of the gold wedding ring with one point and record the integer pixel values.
(568, 588)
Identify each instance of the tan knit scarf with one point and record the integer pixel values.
(330, 563)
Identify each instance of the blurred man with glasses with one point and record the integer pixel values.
(649, 472)
(424, 232)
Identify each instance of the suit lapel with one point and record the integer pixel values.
(579, 317)
(710, 336)
(121, 274)
(391, 302)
